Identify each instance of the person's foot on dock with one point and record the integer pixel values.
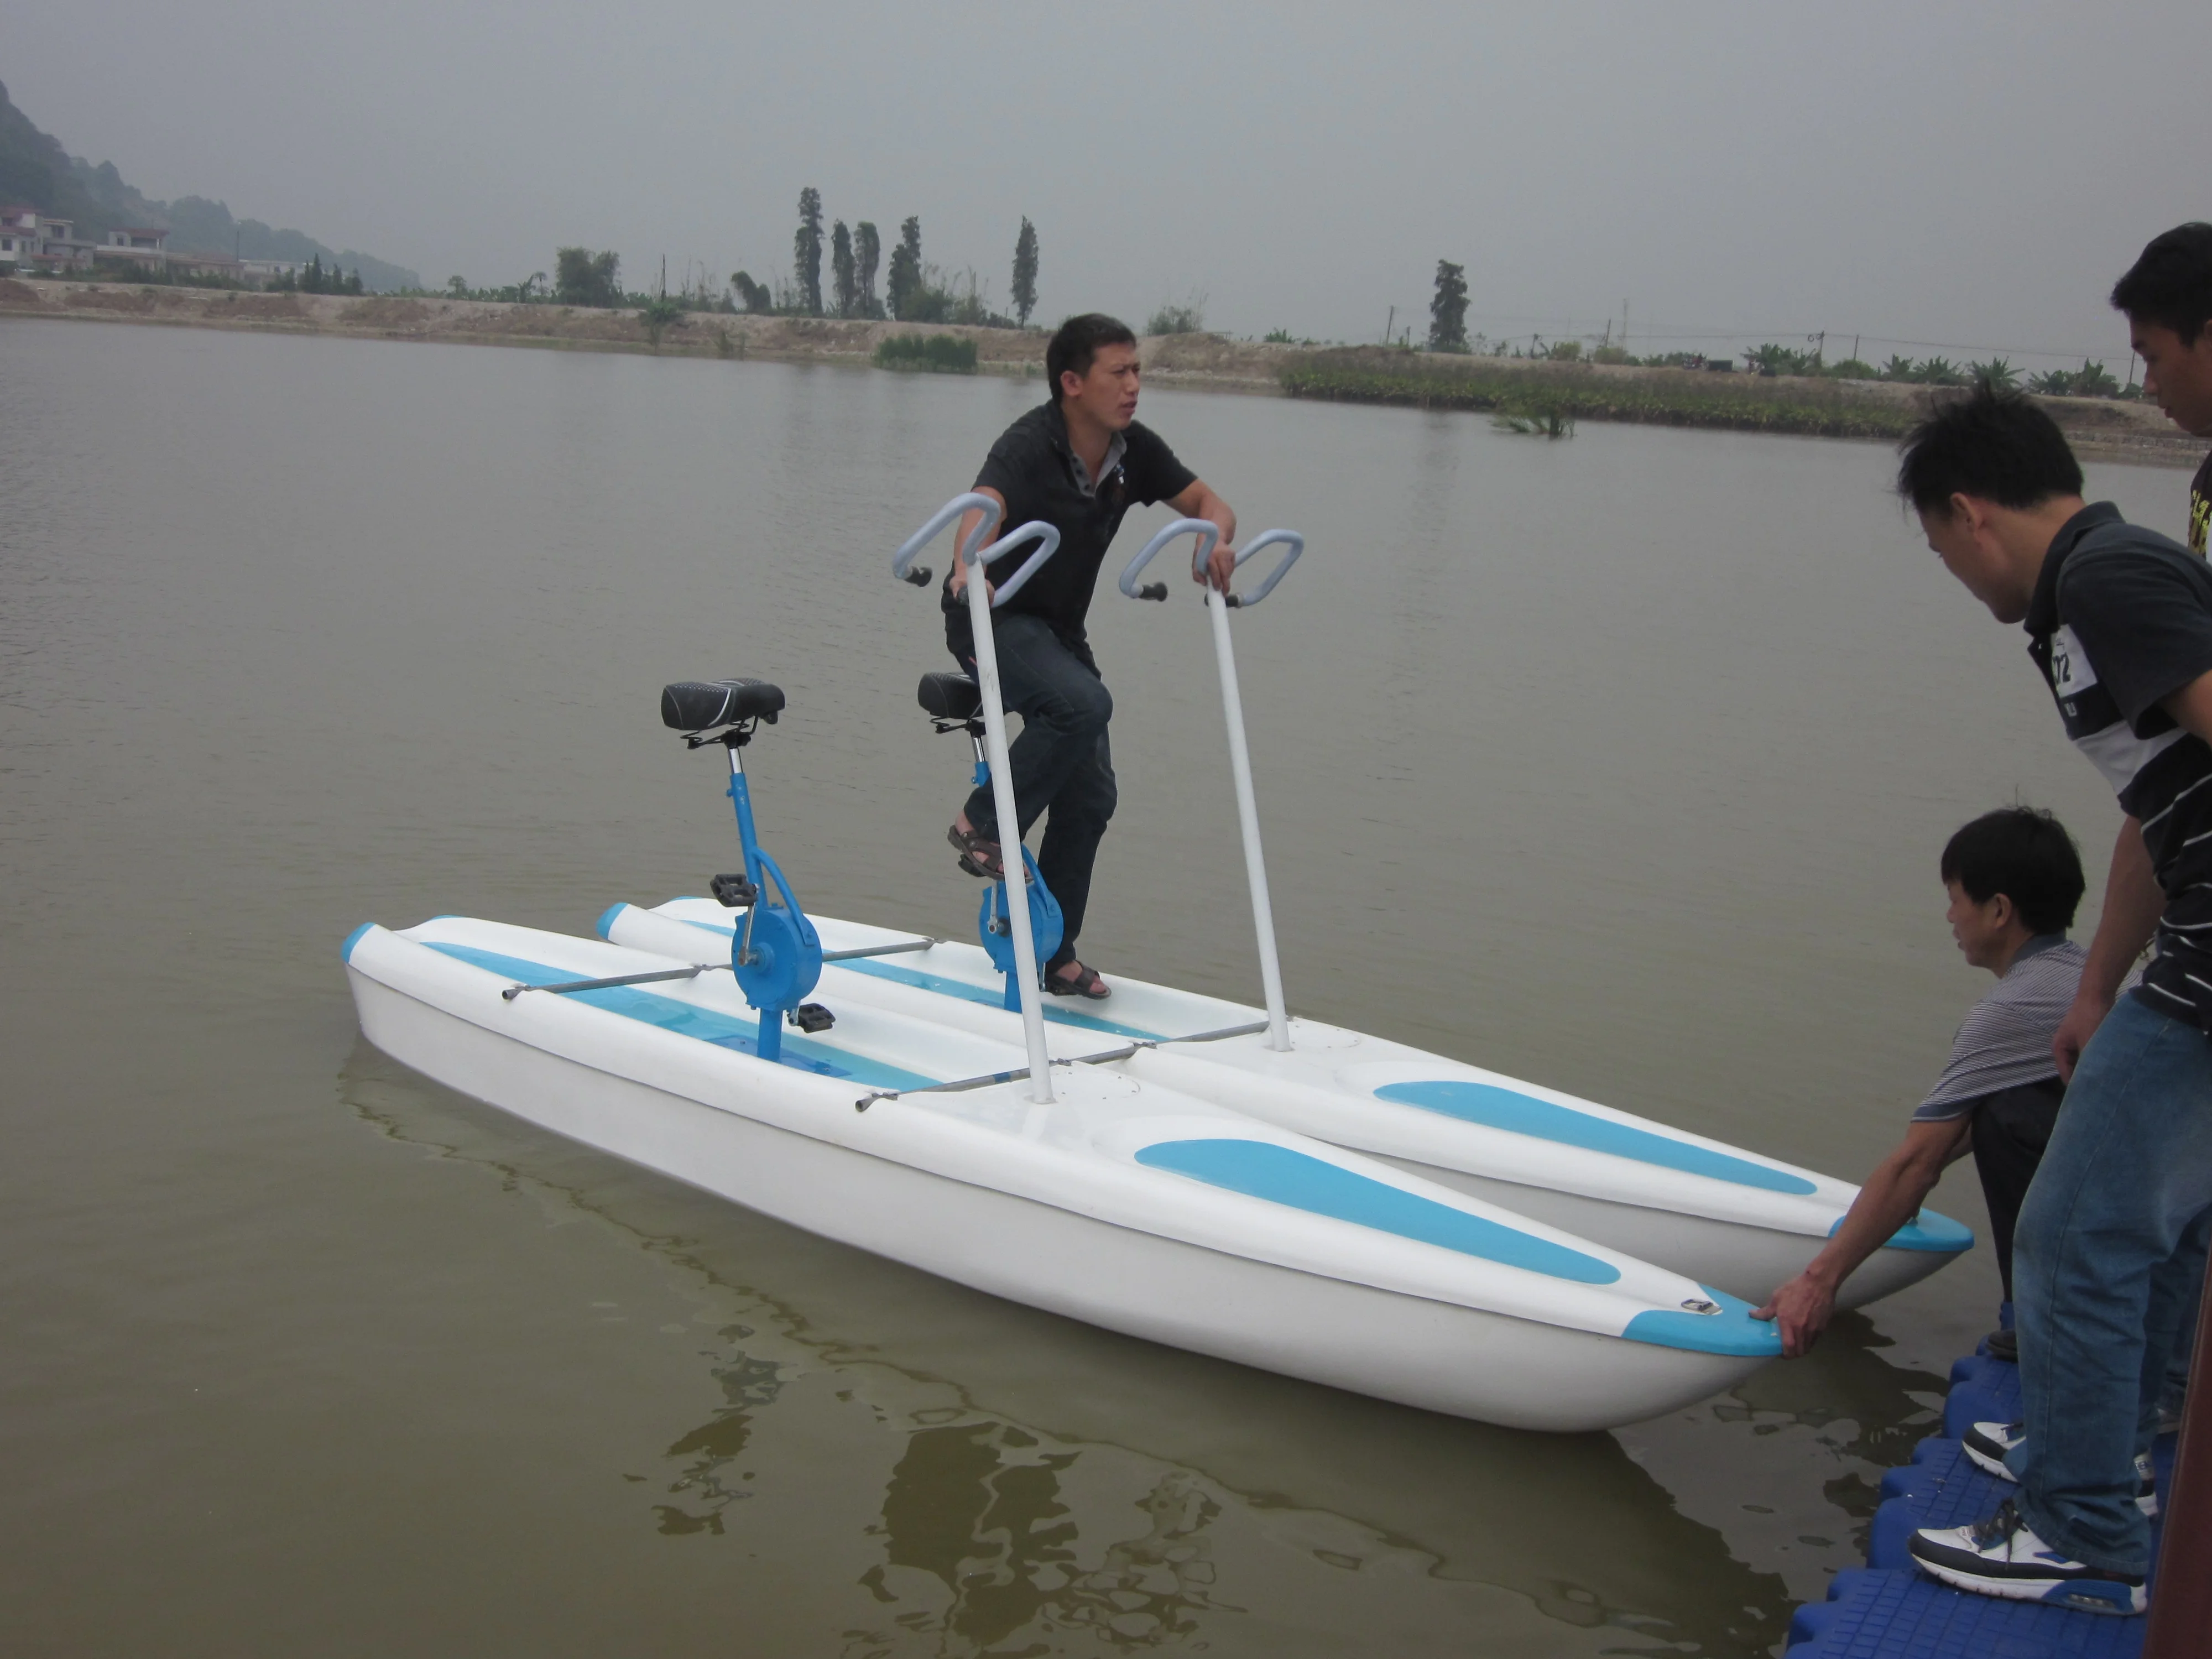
(1987, 1444)
(2001, 1556)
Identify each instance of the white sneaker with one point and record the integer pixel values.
(2001, 1556)
(1986, 1444)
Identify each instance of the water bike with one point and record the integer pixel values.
(1721, 1215)
(916, 1116)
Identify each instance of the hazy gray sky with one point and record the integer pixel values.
(1972, 174)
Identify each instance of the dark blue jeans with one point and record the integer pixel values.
(2110, 1248)
(1063, 771)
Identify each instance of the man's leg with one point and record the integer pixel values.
(1064, 707)
(1079, 814)
(2011, 1129)
(2174, 1304)
(2127, 1174)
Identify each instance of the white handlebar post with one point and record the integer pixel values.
(1014, 869)
(1247, 817)
(1233, 714)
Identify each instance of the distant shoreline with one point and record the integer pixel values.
(2098, 429)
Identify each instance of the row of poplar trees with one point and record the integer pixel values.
(856, 254)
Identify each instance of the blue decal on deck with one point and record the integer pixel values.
(1928, 1230)
(605, 925)
(1281, 1175)
(689, 1020)
(345, 950)
(1730, 1331)
(1524, 1114)
(988, 996)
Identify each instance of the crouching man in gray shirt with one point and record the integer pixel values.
(2014, 880)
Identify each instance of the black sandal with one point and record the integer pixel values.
(1086, 983)
(979, 853)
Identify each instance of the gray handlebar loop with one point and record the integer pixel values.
(1036, 530)
(902, 561)
(978, 547)
(1205, 530)
(1289, 538)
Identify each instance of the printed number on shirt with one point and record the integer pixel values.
(2071, 673)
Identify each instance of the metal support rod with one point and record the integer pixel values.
(1247, 816)
(879, 950)
(514, 991)
(1104, 1056)
(741, 798)
(1012, 870)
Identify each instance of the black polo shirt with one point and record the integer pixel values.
(2121, 620)
(1033, 466)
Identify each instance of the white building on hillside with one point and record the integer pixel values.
(149, 246)
(38, 244)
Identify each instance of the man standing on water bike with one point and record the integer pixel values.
(1078, 463)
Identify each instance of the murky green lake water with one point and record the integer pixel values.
(1621, 764)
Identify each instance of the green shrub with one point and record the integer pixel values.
(936, 354)
(1179, 319)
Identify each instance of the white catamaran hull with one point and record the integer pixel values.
(1730, 1218)
(1059, 1206)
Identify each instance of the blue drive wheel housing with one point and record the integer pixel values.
(1046, 924)
(787, 952)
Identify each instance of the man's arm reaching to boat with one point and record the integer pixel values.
(1197, 501)
(1893, 1195)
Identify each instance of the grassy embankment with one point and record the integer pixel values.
(1535, 392)
(1555, 393)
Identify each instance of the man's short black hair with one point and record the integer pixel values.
(1994, 445)
(1075, 346)
(2024, 853)
(2170, 285)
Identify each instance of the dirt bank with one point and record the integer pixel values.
(2099, 429)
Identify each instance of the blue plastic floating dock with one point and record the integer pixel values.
(1889, 1609)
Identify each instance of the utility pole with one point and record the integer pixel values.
(1624, 324)
(1391, 329)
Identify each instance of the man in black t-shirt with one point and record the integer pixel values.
(2168, 297)
(2112, 1236)
(1078, 462)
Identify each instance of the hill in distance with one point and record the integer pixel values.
(36, 169)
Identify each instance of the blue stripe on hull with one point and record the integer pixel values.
(1730, 1331)
(1524, 1114)
(689, 1020)
(1261, 1168)
(1929, 1231)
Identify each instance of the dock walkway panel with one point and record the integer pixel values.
(1889, 1609)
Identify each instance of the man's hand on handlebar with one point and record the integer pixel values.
(960, 585)
(1219, 566)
